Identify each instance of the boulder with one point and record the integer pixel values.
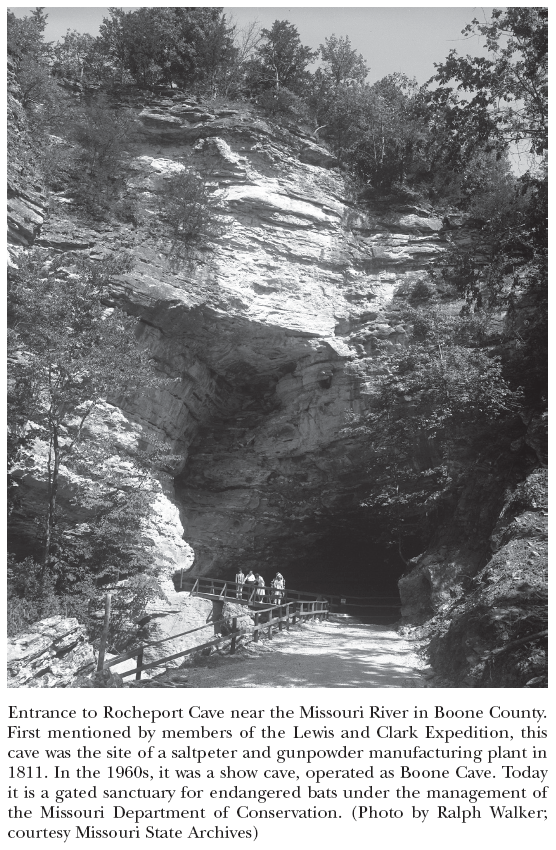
(51, 654)
(315, 155)
(240, 612)
(167, 624)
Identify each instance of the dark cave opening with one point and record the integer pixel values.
(347, 554)
(353, 560)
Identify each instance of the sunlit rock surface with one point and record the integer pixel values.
(51, 655)
(263, 335)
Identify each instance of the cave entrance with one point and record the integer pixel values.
(347, 555)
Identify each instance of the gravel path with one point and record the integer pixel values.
(340, 653)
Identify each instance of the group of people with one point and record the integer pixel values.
(254, 581)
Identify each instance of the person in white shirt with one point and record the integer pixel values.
(278, 585)
(250, 582)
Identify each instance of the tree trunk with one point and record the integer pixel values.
(53, 471)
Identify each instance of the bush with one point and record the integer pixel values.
(283, 103)
(95, 167)
(26, 603)
(193, 213)
(421, 293)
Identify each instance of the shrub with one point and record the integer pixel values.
(283, 103)
(193, 212)
(98, 167)
(421, 292)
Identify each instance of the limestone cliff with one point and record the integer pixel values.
(265, 335)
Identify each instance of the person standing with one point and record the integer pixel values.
(250, 582)
(278, 585)
(259, 595)
(240, 580)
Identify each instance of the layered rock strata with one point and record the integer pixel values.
(266, 336)
(51, 655)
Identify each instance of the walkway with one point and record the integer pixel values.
(339, 653)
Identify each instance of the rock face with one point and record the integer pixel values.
(25, 199)
(52, 655)
(495, 634)
(265, 335)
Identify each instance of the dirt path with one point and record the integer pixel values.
(340, 653)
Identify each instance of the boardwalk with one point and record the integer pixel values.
(340, 653)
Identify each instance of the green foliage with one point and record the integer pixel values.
(69, 353)
(232, 75)
(504, 103)
(506, 95)
(30, 55)
(71, 357)
(189, 46)
(76, 57)
(421, 292)
(342, 64)
(380, 131)
(193, 213)
(89, 159)
(389, 148)
(442, 393)
(27, 600)
(283, 104)
(104, 134)
(281, 61)
(25, 35)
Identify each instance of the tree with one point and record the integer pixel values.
(193, 213)
(104, 133)
(282, 60)
(114, 43)
(201, 47)
(189, 46)
(504, 104)
(72, 55)
(70, 354)
(245, 43)
(393, 133)
(30, 54)
(342, 64)
(431, 404)
(25, 36)
(378, 131)
(505, 96)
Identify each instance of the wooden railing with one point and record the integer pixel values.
(275, 616)
(249, 594)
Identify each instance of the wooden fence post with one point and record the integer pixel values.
(104, 635)
(234, 630)
(139, 664)
(256, 630)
